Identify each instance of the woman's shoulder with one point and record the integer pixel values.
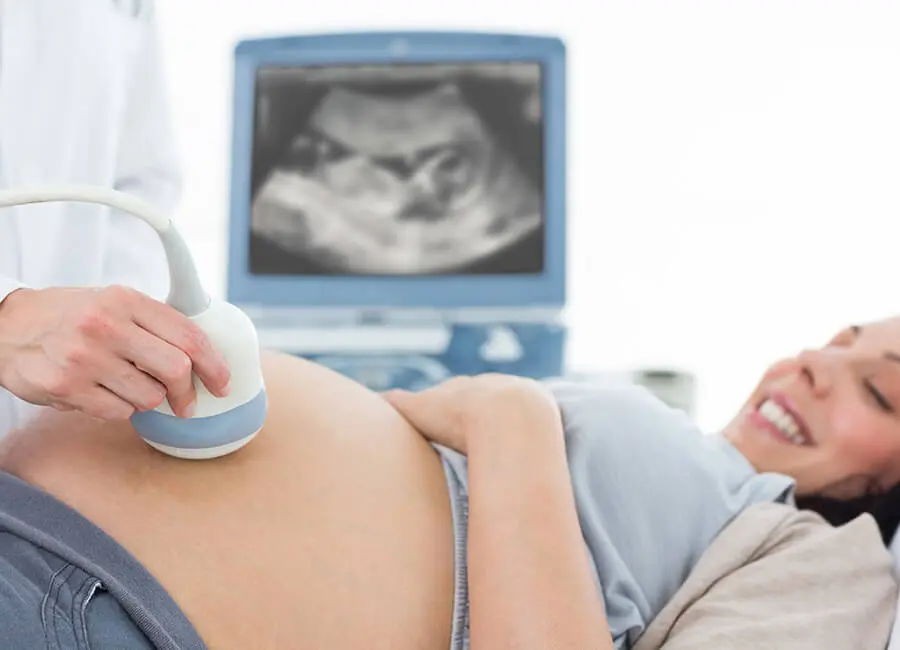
(627, 426)
(646, 477)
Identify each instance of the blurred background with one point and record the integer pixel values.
(734, 167)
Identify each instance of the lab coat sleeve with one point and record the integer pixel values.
(147, 166)
(7, 286)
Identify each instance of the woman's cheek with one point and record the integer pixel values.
(780, 369)
(858, 437)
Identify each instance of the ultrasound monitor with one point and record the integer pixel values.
(398, 170)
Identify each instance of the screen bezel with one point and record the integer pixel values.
(545, 289)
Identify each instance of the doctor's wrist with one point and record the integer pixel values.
(12, 299)
(10, 305)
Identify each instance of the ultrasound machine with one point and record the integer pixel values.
(398, 202)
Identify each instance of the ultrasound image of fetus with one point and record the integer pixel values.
(390, 184)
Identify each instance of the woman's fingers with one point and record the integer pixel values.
(403, 401)
(433, 412)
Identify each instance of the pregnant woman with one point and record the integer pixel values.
(492, 511)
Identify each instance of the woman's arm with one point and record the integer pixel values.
(530, 584)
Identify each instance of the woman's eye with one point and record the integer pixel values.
(879, 398)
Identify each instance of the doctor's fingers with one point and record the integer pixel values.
(103, 386)
(97, 402)
(138, 389)
(168, 366)
(175, 328)
(68, 388)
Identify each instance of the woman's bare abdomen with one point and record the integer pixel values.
(332, 529)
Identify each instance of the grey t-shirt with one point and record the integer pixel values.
(652, 492)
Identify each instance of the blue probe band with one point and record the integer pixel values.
(203, 432)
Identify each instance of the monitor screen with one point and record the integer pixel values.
(397, 169)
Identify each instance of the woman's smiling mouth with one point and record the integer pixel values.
(776, 415)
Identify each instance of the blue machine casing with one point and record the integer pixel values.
(470, 310)
(537, 353)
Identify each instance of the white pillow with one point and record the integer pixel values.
(895, 633)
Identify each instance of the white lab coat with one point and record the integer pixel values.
(82, 100)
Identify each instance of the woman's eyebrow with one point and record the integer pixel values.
(889, 355)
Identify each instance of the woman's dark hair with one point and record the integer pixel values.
(884, 507)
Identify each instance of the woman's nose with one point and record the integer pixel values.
(818, 367)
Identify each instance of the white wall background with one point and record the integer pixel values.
(734, 165)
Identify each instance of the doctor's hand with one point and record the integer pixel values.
(107, 352)
(455, 411)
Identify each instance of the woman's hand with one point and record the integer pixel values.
(447, 413)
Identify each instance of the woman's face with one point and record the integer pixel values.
(829, 418)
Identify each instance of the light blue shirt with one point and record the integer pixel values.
(652, 492)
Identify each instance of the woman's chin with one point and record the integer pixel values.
(766, 449)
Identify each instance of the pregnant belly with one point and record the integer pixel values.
(331, 530)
